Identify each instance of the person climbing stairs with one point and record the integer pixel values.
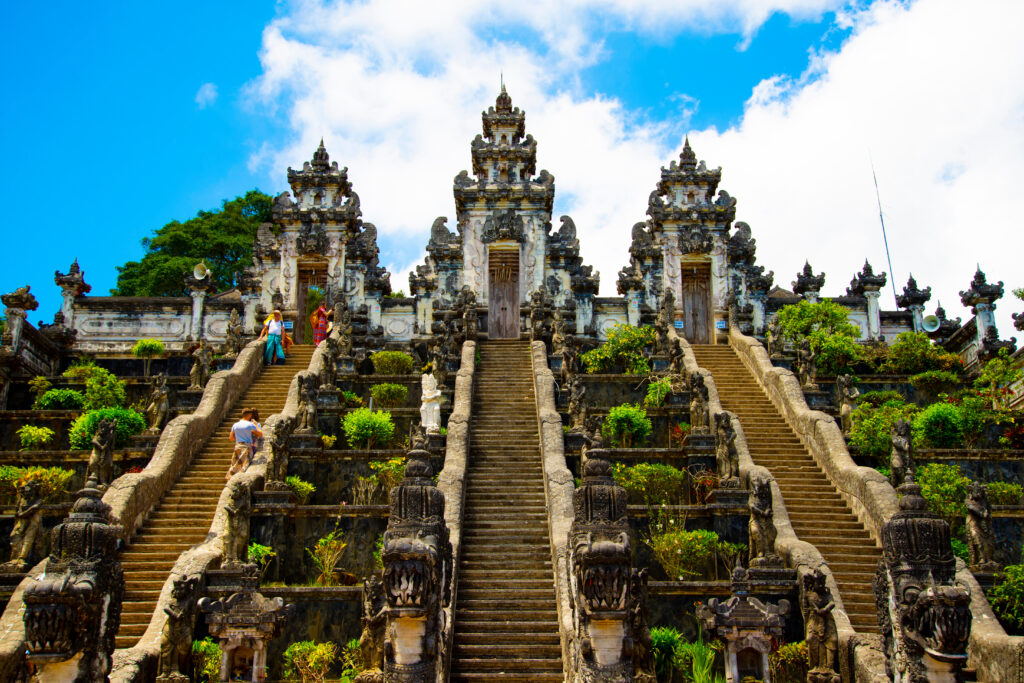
(506, 619)
(182, 518)
(816, 509)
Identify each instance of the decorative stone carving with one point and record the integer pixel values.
(233, 335)
(329, 374)
(866, 281)
(200, 373)
(695, 240)
(75, 606)
(745, 624)
(725, 453)
(159, 406)
(100, 470)
(991, 345)
(506, 225)
(312, 239)
(430, 404)
(309, 391)
(470, 323)
(608, 594)
(820, 629)
(277, 466)
(807, 284)
(577, 406)
(901, 459)
(538, 314)
(741, 246)
(568, 368)
(981, 538)
(236, 539)
(848, 395)
(924, 614)
(675, 358)
(947, 327)
(807, 366)
(557, 332)
(417, 573)
(245, 623)
(176, 638)
(762, 526)
(698, 404)
(345, 331)
(980, 292)
(20, 299)
(371, 640)
(28, 522)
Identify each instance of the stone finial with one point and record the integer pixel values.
(503, 103)
(991, 344)
(807, 282)
(912, 296)
(687, 158)
(72, 282)
(741, 246)
(321, 160)
(923, 612)
(20, 299)
(759, 283)
(981, 292)
(866, 281)
(947, 327)
(75, 606)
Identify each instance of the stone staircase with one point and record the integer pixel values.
(816, 509)
(506, 620)
(182, 518)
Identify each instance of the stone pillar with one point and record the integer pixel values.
(71, 284)
(807, 284)
(584, 314)
(199, 283)
(867, 284)
(874, 313)
(914, 299)
(633, 308)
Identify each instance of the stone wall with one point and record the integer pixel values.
(452, 479)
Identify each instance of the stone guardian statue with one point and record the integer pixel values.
(762, 526)
(901, 458)
(101, 463)
(981, 539)
(820, 624)
(848, 394)
(176, 638)
(28, 522)
(430, 403)
(159, 407)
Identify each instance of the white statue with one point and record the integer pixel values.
(430, 404)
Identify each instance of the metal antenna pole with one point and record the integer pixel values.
(885, 239)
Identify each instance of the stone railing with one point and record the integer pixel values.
(558, 489)
(452, 483)
(867, 491)
(139, 662)
(132, 496)
(800, 555)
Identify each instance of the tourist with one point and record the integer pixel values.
(257, 443)
(318, 319)
(244, 433)
(273, 330)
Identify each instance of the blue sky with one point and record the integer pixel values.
(113, 96)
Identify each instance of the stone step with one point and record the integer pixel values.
(498, 651)
(483, 638)
(492, 667)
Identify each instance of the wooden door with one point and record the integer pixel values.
(695, 303)
(503, 308)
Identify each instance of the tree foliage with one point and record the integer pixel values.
(222, 239)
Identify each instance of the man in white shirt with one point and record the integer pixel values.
(244, 433)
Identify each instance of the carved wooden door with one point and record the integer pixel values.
(695, 303)
(503, 309)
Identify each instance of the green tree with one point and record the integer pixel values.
(222, 239)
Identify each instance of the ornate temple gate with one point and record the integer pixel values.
(503, 309)
(695, 302)
(312, 273)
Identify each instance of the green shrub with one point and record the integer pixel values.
(206, 656)
(651, 483)
(301, 488)
(913, 353)
(697, 659)
(104, 390)
(81, 370)
(60, 399)
(684, 554)
(944, 487)
(877, 398)
(391, 363)
(309, 660)
(1004, 493)
(940, 425)
(260, 554)
(871, 433)
(974, 418)
(626, 425)
(34, 438)
(800, 320)
(789, 663)
(625, 347)
(351, 658)
(146, 349)
(388, 473)
(657, 392)
(1007, 597)
(934, 381)
(325, 554)
(378, 553)
(664, 643)
(996, 378)
(129, 423)
(960, 549)
(365, 428)
(351, 399)
(389, 395)
(836, 353)
(39, 385)
(53, 481)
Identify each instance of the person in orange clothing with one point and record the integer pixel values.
(318, 319)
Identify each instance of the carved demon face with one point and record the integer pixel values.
(937, 618)
(412, 570)
(603, 571)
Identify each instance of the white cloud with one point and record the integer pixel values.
(206, 95)
(932, 89)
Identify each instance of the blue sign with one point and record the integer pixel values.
(289, 325)
(721, 324)
(679, 324)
